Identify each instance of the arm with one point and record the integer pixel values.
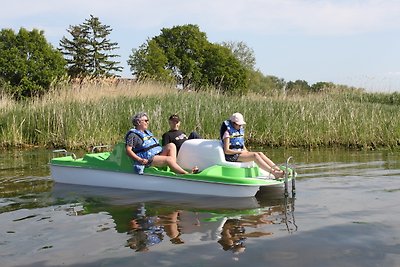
(227, 150)
(133, 155)
(131, 143)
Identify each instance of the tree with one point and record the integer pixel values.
(259, 83)
(90, 51)
(184, 48)
(28, 63)
(223, 70)
(298, 86)
(149, 61)
(243, 53)
(76, 51)
(185, 54)
(321, 86)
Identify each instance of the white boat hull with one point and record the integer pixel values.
(93, 177)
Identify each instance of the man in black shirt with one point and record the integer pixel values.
(176, 136)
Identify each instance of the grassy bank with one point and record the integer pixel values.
(92, 114)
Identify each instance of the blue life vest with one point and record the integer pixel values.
(150, 146)
(236, 137)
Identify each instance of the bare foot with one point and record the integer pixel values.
(195, 170)
(278, 173)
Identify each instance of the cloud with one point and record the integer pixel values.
(304, 17)
(311, 17)
(394, 73)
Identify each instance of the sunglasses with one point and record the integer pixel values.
(145, 120)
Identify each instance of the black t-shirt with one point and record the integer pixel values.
(174, 136)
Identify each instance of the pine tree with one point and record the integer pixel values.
(89, 53)
(76, 52)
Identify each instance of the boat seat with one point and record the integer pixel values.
(205, 153)
(119, 157)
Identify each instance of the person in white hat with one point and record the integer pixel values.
(232, 136)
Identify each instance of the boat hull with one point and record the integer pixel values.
(104, 178)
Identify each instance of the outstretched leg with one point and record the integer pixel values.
(255, 156)
(269, 161)
(161, 161)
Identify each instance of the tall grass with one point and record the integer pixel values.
(92, 114)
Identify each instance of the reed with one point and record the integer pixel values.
(78, 116)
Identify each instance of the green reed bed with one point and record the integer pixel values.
(296, 121)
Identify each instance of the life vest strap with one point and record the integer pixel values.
(146, 148)
(235, 147)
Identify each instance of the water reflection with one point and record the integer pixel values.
(186, 220)
(345, 212)
(230, 230)
(147, 231)
(154, 219)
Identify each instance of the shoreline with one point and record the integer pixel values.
(79, 117)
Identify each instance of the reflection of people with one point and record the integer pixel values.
(148, 230)
(232, 236)
(233, 232)
(232, 136)
(171, 227)
(145, 150)
(145, 231)
(176, 136)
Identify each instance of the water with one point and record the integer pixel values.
(346, 213)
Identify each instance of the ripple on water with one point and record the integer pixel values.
(344, 214)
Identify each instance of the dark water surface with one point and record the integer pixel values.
(346, 213)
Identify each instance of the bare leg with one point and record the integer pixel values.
(255, 156)
(161, 161)
(269, 161)
(169, 150)
(172, 229)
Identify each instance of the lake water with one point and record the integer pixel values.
(345, 213)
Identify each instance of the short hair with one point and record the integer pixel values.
(174, 117)
(136, 118)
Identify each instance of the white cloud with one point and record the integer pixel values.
(250, 20)
(309, 17)
(394, 73)
(313, 17)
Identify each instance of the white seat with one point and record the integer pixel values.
(204, 153)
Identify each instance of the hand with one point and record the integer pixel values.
(144, 161)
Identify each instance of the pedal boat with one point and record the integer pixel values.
(217, 177)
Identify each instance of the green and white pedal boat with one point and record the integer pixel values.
(216, 177)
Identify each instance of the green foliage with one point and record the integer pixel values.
(381, 98)
(89, 52)
(313, 120)
(76, 51)
(243, 53)
(184, 48)
(184, 54)
(298, 86)
(223, 70)
(265, 85)
(28, 63)
(321, 86)
(149, 61)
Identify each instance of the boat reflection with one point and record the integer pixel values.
(153, 221)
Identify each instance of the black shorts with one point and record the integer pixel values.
(150, 160)
(232, 158)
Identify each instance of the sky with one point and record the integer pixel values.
(351, 42)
